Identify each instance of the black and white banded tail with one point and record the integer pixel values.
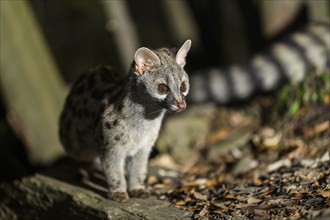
(288, 60)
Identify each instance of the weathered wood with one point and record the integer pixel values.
(43, 197)
(30, 82)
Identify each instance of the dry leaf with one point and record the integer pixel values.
(278, 164)
(200, 196)
(180, 203)
(253, 200)
(325, 193)
(297, 195)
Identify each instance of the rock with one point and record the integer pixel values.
(180, 132)
(278, 164)
(44, 197)
(244, 165)
(229, 144)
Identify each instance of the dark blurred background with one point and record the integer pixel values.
(46, 44)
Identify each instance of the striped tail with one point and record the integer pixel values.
(287, 60)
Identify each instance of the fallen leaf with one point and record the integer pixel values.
(261, 213)
(325, 193)
(310, 132)
(218, 136)
(253, 200)
(297, 195)
(180, 203)
(325, 157)
(278, 164)
(152, 180)
(203, 212)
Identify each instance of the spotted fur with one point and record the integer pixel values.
(118, 120)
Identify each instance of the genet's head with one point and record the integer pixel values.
(162, 75)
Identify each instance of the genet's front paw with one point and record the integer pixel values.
(118, 196)
(140, 193)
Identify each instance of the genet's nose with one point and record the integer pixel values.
(181, 105)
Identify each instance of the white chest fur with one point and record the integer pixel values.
(143, 134)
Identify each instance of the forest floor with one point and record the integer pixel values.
(266, 159)
(281, 170)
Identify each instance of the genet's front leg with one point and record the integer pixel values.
(137, 173)
(113, 162)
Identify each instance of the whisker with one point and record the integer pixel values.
(159, 110)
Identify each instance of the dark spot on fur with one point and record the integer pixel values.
(79, 90)
(99, 94)
(69, 102)
(108, 125)
(115, 122)
(117, 138)
(106, 75)
(120, 107)
(91, 81)
(79, 80)
(114, 184)
(168, 52)
(102, 109)
(96, 94)
(96, 122)
(80, 113)
(99, 113)
(73, 109)
(115, 95)
(67, 125)
(81, 132)
(85, 101)
(86, 113)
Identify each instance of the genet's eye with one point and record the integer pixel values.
(183, 87)
(162, 88)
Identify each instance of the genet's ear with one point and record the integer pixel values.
(182, 53)
(145, 59)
